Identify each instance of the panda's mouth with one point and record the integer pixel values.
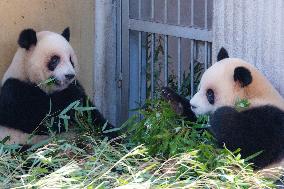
(62, 83)
(55, 84)
(58, 83)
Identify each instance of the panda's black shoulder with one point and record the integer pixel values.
(15, 92)
(22, 105)
(13, 85)
(253, 130)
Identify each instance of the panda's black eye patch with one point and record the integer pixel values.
(210, 96)
(72, 63)
(53, 62)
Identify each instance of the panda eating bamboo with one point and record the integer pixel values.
(258, 128)
(25, 100)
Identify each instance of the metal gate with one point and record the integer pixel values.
(160, 43)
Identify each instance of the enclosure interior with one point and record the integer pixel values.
(162, 43)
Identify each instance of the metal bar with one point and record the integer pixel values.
(143, 69)
(178, 11)
(179, 50)
(152, 64)
(119, 63)
(206, 55)
(206, 14)
(152, 52)
(166, 12)
(120, 41)
(166, 60)
(192, 57)
(171, 30)
(139, 66)
(152, 10)
(125, 61)
(179, 65)
(139, 57)
(139, 9)
(192, 52)
(206, 43)
(210, 54)
(192, 13)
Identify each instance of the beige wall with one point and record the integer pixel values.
(52, 15)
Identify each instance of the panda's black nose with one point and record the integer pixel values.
(69, 76)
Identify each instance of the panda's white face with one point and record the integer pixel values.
(51, 63)
(217, 88)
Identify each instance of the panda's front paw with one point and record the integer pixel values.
(174, 99)
(168, 94)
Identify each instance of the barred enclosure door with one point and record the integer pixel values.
(161, 43)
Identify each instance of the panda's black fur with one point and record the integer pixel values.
(254, 130)
(27, 38)
(180, 104)
(257, 129)
(23, 106)
(222, 54)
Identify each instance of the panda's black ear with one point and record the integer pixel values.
(27, 38)
(66, 33)
(243, 76)
(223, 53)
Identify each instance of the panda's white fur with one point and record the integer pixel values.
(19, 137)
(31, 65)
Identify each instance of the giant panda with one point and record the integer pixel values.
(25, 98)
(257, 128)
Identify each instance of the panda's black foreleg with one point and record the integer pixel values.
(254, 130)
(180, 104)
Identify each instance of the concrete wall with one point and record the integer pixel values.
(252, 30)
(53, 15)
(105, 73)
